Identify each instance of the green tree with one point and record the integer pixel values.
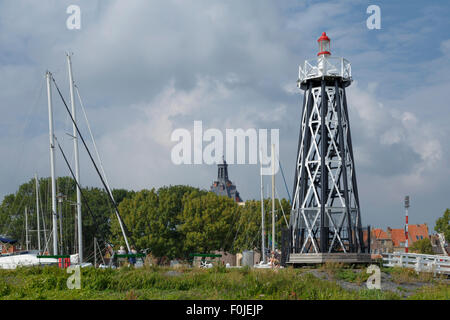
(249, 234)
(96, 221)
(120, 194)
(422, 246)
(12, 217)
(209, 223)
(153, 219)
(12, 208)
(443, 225)
(249, 226)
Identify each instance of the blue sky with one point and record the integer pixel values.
(145, 68)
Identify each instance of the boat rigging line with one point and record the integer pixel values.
(92, 138)
(285, 185)
(122, 225)
(282, 210)
(82, 194)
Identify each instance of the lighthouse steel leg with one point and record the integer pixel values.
(342, 151)
(325, 213)
(354, 185)
(299, 183)
(323, 170)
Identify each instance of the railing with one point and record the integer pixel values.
(325, 66)
(418, 262)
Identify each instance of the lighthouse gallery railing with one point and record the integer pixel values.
(323, 66)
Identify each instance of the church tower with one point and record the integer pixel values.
(223, 186)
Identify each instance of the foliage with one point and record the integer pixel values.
(408, 275)
(249, 235)
(209, 223)
(95, 222)
(193, 283)
(438, 292)
(216, 283)
(154, 218)
(170, 222)
(422, 246)
(443, 225)
(178, 220)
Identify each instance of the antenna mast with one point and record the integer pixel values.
(37, 214)
(263, 249)
(273, 200)
(77, 165)
(26, 229)
(52, 161)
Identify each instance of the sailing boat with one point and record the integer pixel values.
(33, 258)
(263, 264)
(26, 257)
(271, 263)
(75, 175)
(30, 258)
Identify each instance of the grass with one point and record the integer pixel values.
(42, 283)
(438, 292)
(406, 275)
(345, 272)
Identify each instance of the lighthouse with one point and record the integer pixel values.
(325, 221)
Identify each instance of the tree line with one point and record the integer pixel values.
(172, 221)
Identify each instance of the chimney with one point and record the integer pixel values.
(389, 232)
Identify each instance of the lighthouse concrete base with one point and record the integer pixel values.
(315, 258)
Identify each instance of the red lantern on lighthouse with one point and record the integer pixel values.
(324, 44)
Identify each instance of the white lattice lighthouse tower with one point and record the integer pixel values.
(325, 215)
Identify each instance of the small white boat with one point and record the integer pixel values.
(267, 265)
(263, 265)
(24, 259)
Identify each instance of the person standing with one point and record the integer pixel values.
(132, 259)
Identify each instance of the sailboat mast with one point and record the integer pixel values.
(263, 249)
(52, 162)
(273, 199)
(77, 165)
(26, 229)
(37, 214)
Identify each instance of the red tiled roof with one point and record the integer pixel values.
(379, 234)
(397, 236)
(417, 232)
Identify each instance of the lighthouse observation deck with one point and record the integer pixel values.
(323, 67)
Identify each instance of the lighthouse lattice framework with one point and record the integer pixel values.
(325, 215)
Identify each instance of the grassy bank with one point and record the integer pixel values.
(215, 283)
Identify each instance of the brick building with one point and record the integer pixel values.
(393, 240)
(380, 242)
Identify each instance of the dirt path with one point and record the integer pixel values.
(387, 284)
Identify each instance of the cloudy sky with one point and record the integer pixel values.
(146, 68)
